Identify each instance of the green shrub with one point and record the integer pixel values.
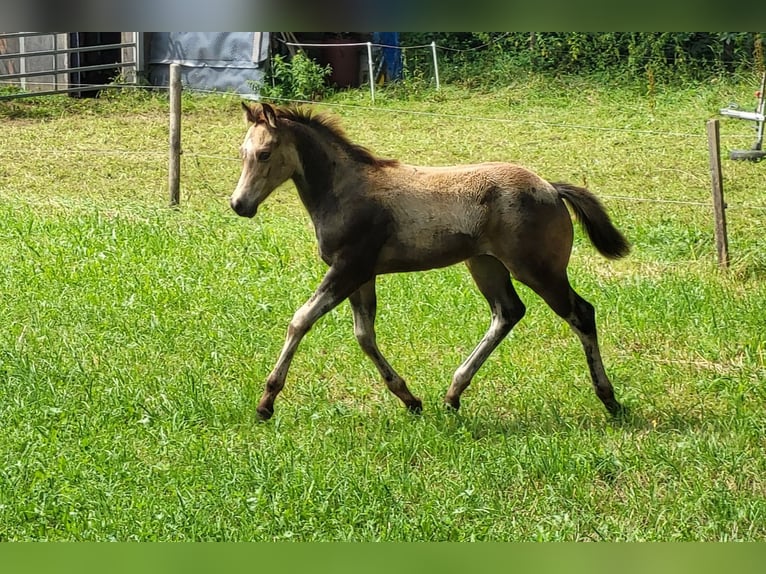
(490, 58)
(299, 78)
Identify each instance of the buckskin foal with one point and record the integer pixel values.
(375, 216)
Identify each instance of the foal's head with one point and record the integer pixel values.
(269, 159)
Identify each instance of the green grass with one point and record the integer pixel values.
(135, 339)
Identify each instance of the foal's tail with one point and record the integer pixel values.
(595, 221)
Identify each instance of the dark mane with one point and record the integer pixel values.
(329, 125)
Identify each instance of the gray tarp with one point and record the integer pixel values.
(218, 61)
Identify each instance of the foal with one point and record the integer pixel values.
(374, 216)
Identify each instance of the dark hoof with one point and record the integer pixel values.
(264, 413)
(617, 410)
(452, 405)
(415, 406)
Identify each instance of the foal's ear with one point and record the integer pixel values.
(250, 113)
(258, 113)
(269, 115)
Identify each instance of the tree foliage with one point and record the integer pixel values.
(665, 56)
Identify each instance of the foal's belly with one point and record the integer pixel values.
(431, 230)
(430, 252)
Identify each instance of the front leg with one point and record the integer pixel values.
(364, 306)
(337, 284)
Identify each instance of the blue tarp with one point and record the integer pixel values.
(392, 54)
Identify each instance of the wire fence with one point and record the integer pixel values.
(15, 151)
(394, 46)
(462, 116)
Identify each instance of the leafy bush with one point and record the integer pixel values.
(299, 78)
(489, 58)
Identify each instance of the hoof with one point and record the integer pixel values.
(617, 410)
(264, 413)
(415, 406)
(452, 405)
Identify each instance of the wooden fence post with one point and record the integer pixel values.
(174, 168)
(719, 206)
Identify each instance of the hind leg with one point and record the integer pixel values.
(582, 320)
(581, 317)
(494, 282)
(364, 306)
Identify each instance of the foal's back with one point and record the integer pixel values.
(444, 215)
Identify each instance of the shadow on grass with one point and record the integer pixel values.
(481, 419)
(492, 422)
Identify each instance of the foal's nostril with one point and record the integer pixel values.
(238, 206)
(241, 208)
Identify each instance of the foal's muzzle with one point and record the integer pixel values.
(243, 209)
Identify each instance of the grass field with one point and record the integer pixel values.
(135, 339)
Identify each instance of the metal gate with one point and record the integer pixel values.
(79, 63)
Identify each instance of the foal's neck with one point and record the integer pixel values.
(316, 181)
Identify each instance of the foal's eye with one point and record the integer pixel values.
(263, 155)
